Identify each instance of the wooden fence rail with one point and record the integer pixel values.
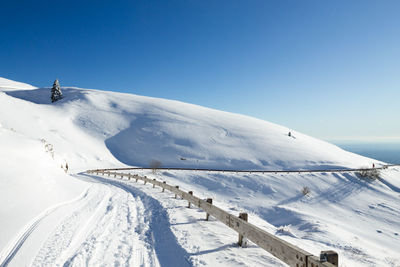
(383, 167)
(286, 252)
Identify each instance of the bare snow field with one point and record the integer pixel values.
(52, 218)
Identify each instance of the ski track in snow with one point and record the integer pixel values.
(107, 231)
(30, 228)
(109, 227)
(117, 223)
(183, 238)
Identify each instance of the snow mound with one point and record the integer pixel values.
(6, 84)
(137, 130)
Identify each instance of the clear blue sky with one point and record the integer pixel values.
(330, 69)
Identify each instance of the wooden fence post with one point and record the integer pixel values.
(244, 217)
(177, 187)
(163, 189)
(190, 193)
(209, 200)
(154, 185)
(329, 256)
(145, 181)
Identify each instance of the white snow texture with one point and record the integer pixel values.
(49, 217)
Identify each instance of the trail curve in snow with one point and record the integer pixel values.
(111, 224)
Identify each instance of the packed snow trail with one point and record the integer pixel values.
(111, 225)
(25, 233)
(204, 243)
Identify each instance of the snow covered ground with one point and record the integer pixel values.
(6, 84)
(105, 226)
(357, 218)
(48, 217)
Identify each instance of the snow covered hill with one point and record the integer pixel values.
(137, 130)
(97, 129)
(6, 84)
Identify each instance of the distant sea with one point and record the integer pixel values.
(387, 152)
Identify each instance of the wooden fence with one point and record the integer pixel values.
(252, 171)
(286, 252)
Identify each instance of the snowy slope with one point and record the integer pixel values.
(357, 218)
(137, 130)
(97, 129)
(6, 84)
(31, 181)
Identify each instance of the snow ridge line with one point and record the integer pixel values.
(253, 171)
(286, 252)
(10, 250)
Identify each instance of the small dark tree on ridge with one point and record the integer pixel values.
(56, 93)
(154, 165)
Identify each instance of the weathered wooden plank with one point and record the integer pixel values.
(288, 253)
(314, 261)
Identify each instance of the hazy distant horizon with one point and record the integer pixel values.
(383, 151)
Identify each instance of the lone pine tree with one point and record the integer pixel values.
(56, 93)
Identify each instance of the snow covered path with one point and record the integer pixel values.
(117, 223)
(182, 234)
(107, 226)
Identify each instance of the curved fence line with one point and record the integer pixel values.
(281, 249)
(249, 171)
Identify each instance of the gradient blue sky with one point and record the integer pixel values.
(330, 69)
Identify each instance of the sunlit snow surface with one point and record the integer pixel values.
(49, 217)
(6, 85)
